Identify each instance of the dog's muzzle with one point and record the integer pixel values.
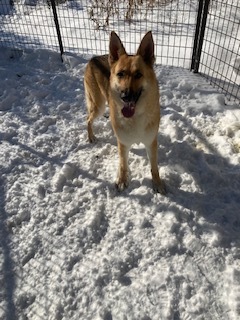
(130, 99)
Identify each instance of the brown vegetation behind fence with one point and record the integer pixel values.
(100, 12)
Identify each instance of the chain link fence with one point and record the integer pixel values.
(203, 36)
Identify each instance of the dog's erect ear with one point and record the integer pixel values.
(116, 48)
(146, 49)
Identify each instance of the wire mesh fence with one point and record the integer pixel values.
(220, 56)
(26, 25)
(84, 28)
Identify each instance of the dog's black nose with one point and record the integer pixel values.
(130, 95)
(127, 95)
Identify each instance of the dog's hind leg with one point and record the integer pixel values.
(93, 113)
(96, 107)
(96, 83)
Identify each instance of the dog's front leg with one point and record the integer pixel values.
(158, 184)
(123, 177)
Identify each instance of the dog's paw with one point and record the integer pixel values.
(160, 187)
(121, 184)
(92, 139)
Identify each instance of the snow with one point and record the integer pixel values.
(71, 246)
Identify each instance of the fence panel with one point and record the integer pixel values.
(27, 24)
(85, 26)
(220, 56)
(173, 24)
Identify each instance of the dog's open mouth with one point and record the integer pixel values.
(128, 109)
(130, 100)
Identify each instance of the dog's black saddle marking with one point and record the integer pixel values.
(101, 62)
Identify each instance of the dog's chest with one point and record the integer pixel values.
(135, 130)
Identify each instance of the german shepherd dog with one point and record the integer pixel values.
(129, 85)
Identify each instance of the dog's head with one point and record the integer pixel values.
(130, 73)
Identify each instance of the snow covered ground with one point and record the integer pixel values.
(71, 246)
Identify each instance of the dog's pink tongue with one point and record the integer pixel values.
(128, 109)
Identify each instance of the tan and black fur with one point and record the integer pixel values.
(129, 85)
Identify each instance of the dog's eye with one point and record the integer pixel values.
(120, 74)
(138, 75)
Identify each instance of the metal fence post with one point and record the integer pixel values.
(57, 26)
(199, 34)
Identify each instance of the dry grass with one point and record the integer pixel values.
(101, 11)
